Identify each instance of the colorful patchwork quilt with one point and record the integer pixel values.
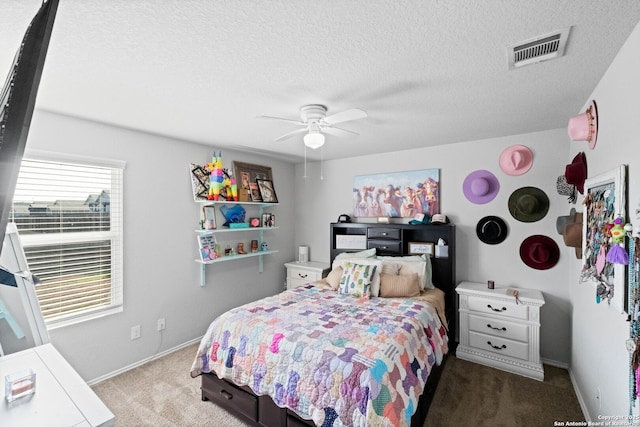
(336, 359)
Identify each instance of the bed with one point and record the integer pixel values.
(363, 347)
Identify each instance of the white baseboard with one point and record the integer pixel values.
(142, 362)
(555, 363)
(583, 406)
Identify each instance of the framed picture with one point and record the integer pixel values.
(208, 217)
(266, 220)
(254, 192)
(199, 181)
(267, 192)
(420, 248)
(604, 200)
(397, 195)
(246, 174)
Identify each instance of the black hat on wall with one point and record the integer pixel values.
(492, 230)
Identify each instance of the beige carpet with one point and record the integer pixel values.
(161, 393)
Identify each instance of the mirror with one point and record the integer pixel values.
(21, 322)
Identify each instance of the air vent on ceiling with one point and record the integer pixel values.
(541, 48)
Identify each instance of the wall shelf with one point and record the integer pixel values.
(226, 230)
(259, 230)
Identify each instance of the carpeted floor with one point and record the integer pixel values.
(162, 394)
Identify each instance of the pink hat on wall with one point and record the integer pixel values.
(516, 160)
(584, 127)
(480, 187)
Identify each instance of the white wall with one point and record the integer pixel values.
(599, 358)
(161, 278)
(319, 202)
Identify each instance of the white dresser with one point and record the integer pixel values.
(62, 398)
(301, 273)
(499, 331)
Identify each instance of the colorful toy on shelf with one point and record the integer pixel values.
(617, 253)
(216, 179)
(234, 189)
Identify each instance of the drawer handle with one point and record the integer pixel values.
(502, 347)
(497, 329)
(384, 247)
(497, 309)
(385, 234)
(226, 394)
(302, 276)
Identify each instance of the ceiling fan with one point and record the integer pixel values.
(315, 123)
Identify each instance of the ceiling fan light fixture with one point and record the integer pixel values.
(314, 139)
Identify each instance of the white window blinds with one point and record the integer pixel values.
(69, 217)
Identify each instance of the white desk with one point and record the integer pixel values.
(62, 398)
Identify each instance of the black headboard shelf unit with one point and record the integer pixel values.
(393, 240)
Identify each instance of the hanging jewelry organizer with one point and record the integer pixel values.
(633, 308)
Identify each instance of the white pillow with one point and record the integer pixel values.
(356, 279)
(423, 267)
(375, 282)
(367, 253)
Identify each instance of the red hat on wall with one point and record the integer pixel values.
(576, 172)
(539, 252)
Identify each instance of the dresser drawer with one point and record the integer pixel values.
(499, 308)
(383, 233)
(385, 247)
(303, 274)
(497, 345)
(499, 328)
(230, 396)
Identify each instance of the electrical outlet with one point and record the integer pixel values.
(161, 324)
(135, 332)
(599, 397)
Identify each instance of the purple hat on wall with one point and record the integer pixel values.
(480, 187)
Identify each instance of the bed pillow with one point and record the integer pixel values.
(333, 278)
(390, 268)
(399, 286)
(356, 279)
(375, 283)
(368, 253)
(423, 267)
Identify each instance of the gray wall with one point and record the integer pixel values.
(599, 358)
(161, 278)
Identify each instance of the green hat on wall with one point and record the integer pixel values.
(528, 204)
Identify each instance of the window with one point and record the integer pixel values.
(69, 216)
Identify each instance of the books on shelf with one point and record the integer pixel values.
(207, 245)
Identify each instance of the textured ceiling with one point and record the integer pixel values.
(426, 72)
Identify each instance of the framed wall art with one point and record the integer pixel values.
(604, 200)
(208, 217)
(246, 174)
(397, 195)
(267, 192)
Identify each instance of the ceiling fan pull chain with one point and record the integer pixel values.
(322, 163)
(305, 161)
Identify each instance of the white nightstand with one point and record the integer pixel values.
(62, 398)
(301, 273)
(497, 331)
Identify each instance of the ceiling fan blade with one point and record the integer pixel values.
(330, 130)
(298, 122)
(291, 134)
(345, 116)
